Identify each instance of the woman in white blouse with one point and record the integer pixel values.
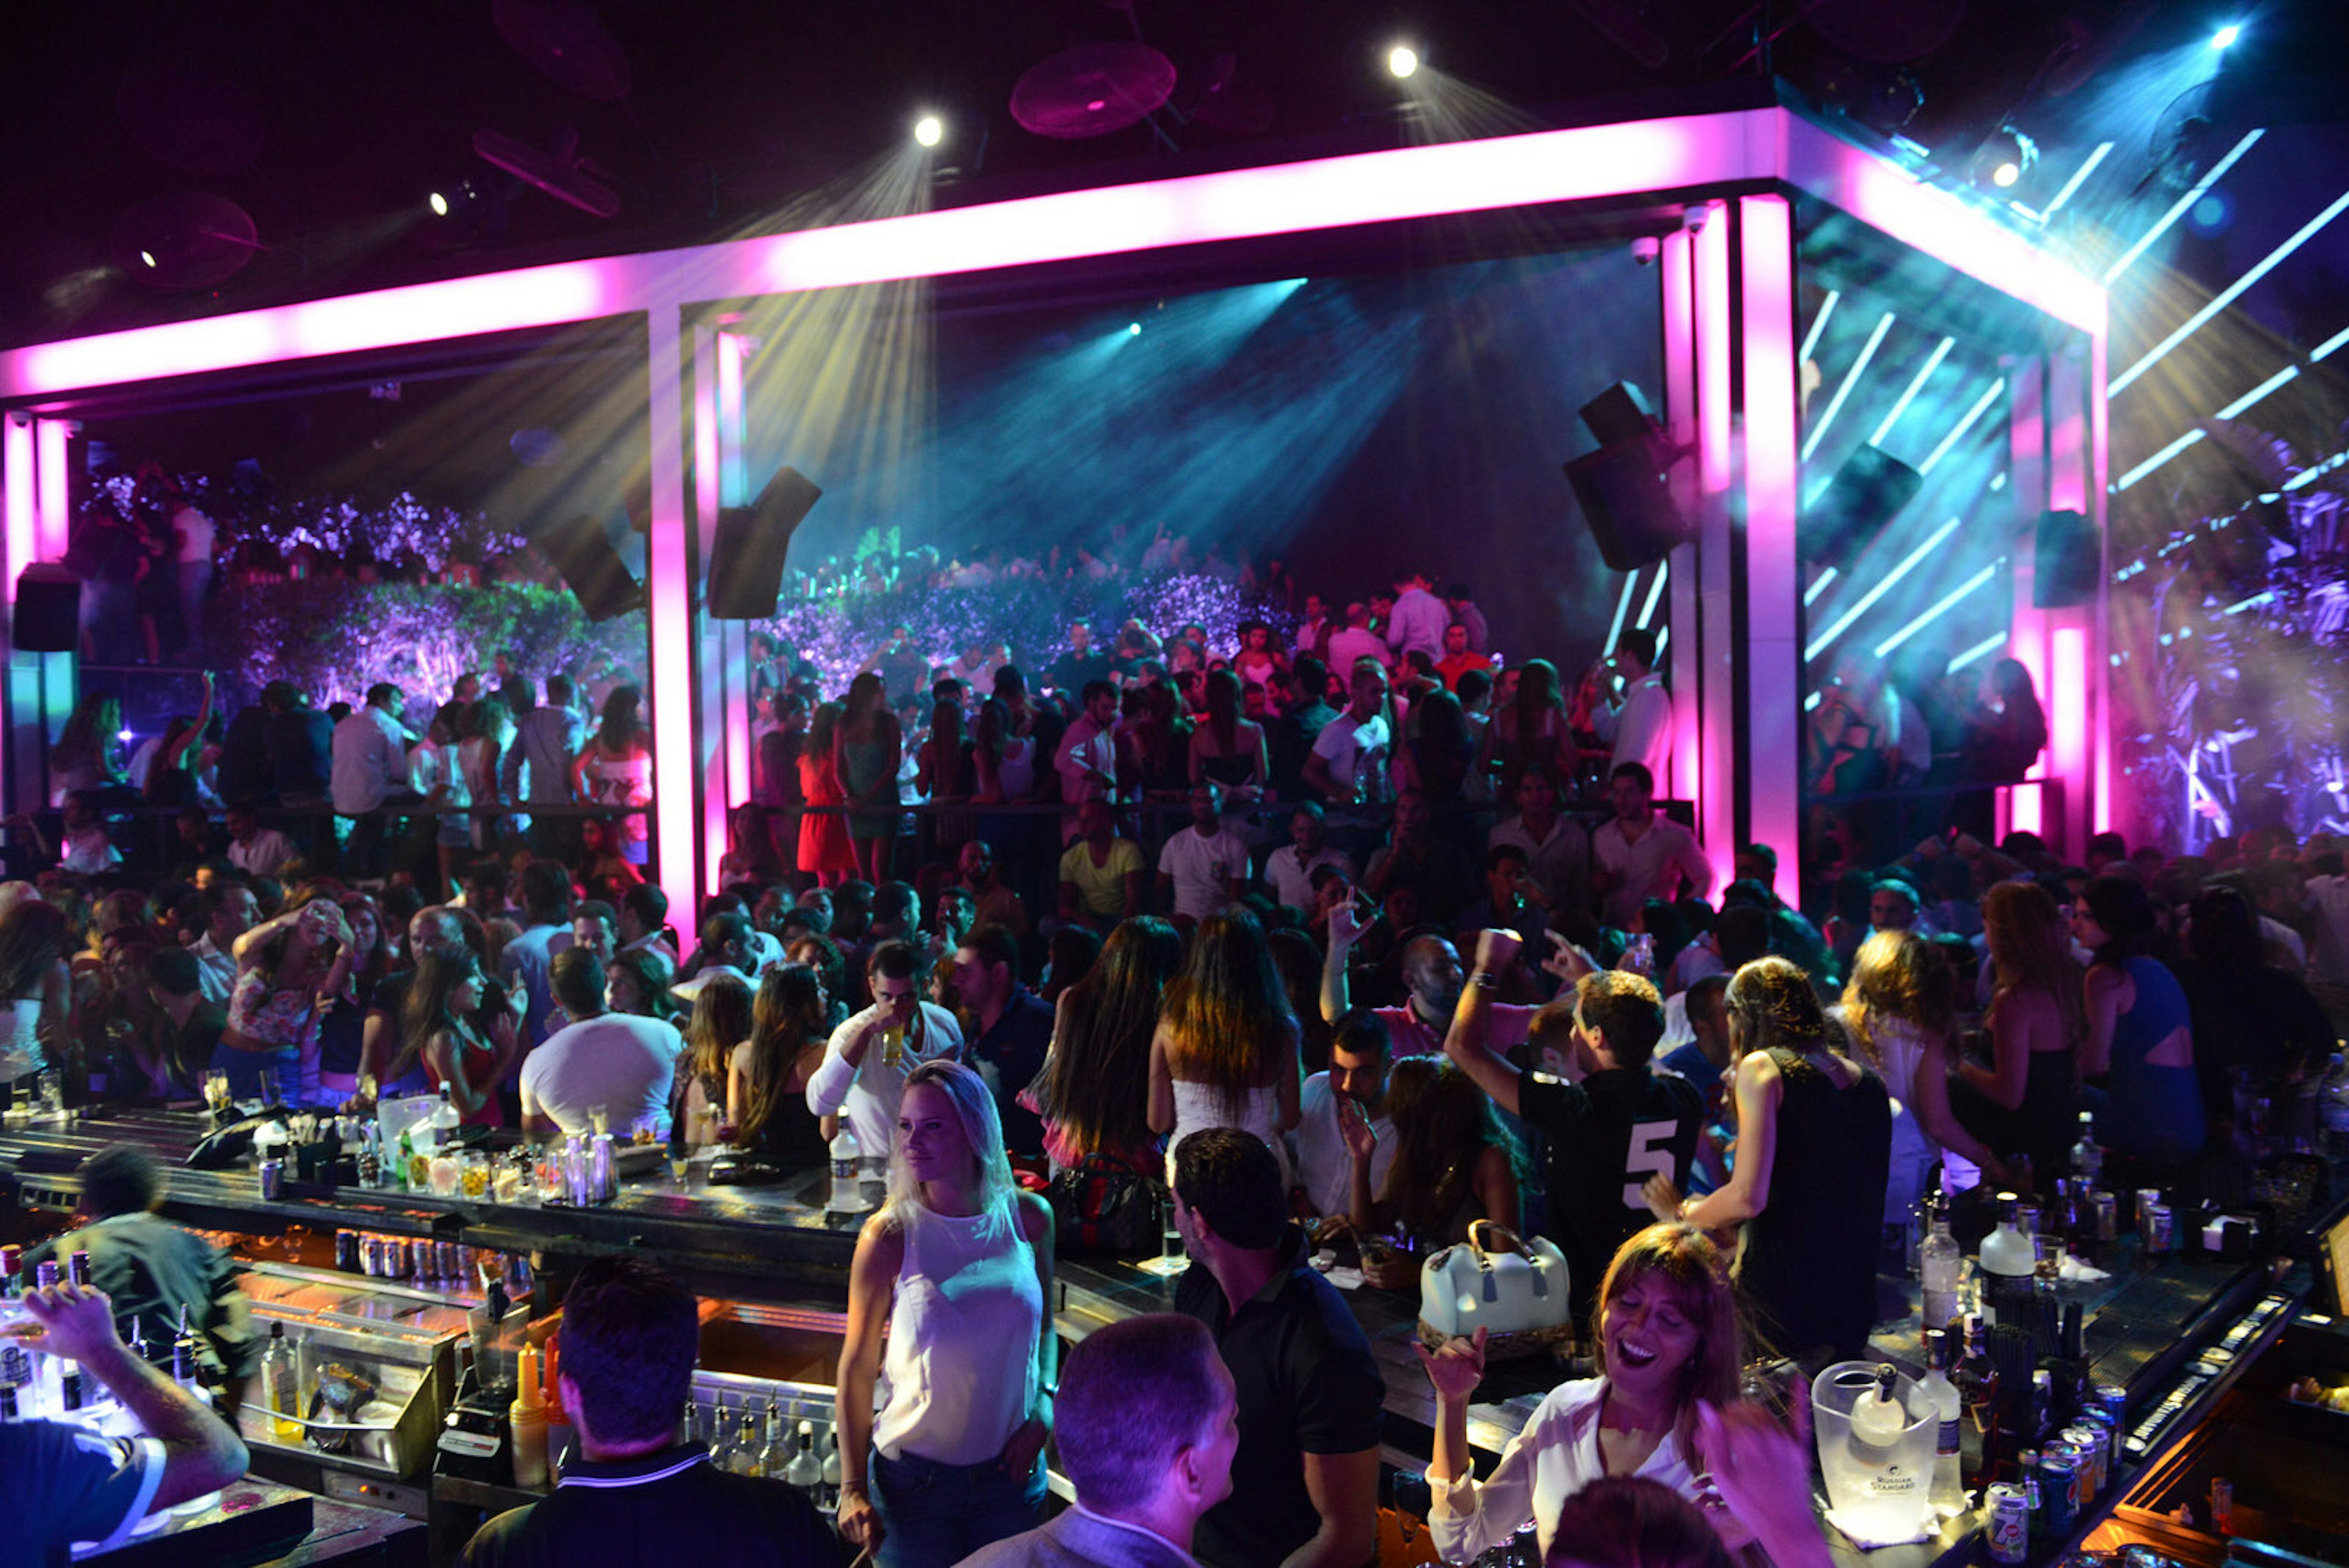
(1668, 1341)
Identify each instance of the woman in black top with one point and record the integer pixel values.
(2250, 1017)
(766, 1081)
(1814, 1155)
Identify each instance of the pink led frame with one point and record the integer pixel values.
(1637, 158)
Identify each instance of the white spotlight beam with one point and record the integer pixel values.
(1978, 651)
(1818, 586)
(1818, 324)
(1622, 608)
(1916, 385)
(2230, 293)
(1843, 387)
(1981, 406)
(2161, 224)
(1940, 608)
(1655, 592)
(2235, 410)
(2079, 177)
(1821, 643)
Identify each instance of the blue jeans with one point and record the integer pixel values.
(935, 1515)
(247, 1070)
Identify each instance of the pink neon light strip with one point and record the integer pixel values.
(732, 437)
(2100, 453)
(1717, 768)
(2067, 703)
(1679, 277)
(18, 526)
(1715, 462)
(1773, 654)
(1375, 187)
(668, 604)
(54, 520)
(708, 469)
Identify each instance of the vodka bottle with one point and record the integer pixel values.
(2087, 1158)
(1940, 1263)
(805, 1471)
(776, 1455)
(2010, 1260)
(1949, 1487)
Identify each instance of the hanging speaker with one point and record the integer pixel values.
(1867, 493)
(1618, 413)
(48, 610)
(1625, 499)
(581, 551)
(2066, 562)
(746, 559)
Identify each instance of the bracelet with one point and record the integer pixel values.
(1483, 982)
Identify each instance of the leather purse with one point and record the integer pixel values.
(1101, 1205)
(1514, 1289)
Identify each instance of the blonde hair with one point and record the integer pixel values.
(2028, 951)
(982, 1129)
(1898, 975)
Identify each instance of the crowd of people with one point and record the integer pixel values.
(1391, 975)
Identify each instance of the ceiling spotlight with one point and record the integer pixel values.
(1133, 329)
(929, 131)
(147, 257)
(439, 203)
(2225, 35)
(2004, 158)
(1403, 61)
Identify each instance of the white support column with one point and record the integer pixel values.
(1716, 613)
(1771, 580)
(1677, 275)
(2026, 402)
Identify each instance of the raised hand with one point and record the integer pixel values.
(1497, 950)
(1354, 1128)
(1456, 1369)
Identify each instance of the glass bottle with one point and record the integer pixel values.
(2087, 1158)
(805, 1471)
(729, 1441)
(746, 1447)
(1949, 1441)
(1977, 1379)
(1940, 1264)
(2010, 1260)
(775, 1455)
(280, 1378)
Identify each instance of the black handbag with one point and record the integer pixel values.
(1103, 1205)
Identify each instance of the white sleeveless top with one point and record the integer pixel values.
(961, 1355)
(1198, 1106)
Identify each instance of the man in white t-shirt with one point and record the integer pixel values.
(615, 1060)
(1642, 855)
(863, 1074)
(1202, 865)
(1355, 641)
(1359, 1052)
(1640, 724)
(1349, 763)
(1288, 870)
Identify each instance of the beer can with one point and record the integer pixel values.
(371, 1256)
(347, 1251)
(394, 1258)
(2105, 1211)
(273, 1178)
(2008, 1526)
(445, 1261)
(2159, 1231)
(466, 1274)
(2147, 1198)
(78, 1266)
(2098, 1428)
(2223, 1505)
(2059, 1488)
(12, 1264)
(45, 1274)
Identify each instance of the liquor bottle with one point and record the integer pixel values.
(724, 1456)
(776, 1457)
(746, 1448)
(12, 1273)
(805, 1471)
(445, 1119)
(2009, 1260)
(1940, 1262)
(827, 1497)
(1977, 1381)
(2087, 1158)
(78, 1266)
(847, 1195)
(1948, 1442)
(8, 1414)
(183, 1356)
(280, 1378)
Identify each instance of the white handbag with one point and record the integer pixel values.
(1514, 1289)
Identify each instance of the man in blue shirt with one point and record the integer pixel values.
(61, 1483)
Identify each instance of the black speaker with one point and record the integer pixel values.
(1630, 507)
(1618, 413)
(48, 610)
(581, 551)
(746, 559)
(2066, 562)
(1867, 493)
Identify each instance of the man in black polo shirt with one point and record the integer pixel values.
(1006, 1029)
(1304, 1478)
(1606, 1135)
(637, 1495)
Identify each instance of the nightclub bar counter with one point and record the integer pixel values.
(2179, 1333)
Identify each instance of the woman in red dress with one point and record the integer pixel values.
(825, 850)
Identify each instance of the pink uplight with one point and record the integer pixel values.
(18, 525)
(1773, 651)
(54, 521)
(669, 607)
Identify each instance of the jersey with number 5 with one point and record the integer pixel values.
(1604, 1138)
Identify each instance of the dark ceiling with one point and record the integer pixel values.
(328, 125)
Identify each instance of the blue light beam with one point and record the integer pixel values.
(2230, 293)
(1843, 387)
(1820, 644)
(2185, 204)
(1940, 608)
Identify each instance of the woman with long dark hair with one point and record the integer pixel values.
(944, 773)
(342, 1020)
(866, 751)
(2258, 1030)
(767, 1076)
(1228, 747)
(614, 770)
(84, 757)
(636, 982)
(1101, 1030)
(437, 1036)
(1225, 1054)
(2026, 1098)
(34, 987)
(721, 1022)
(288, 970)
(1814, 1155)
(2137, 1064)
(1455, 1163)
(825, 851)
(1530, 731)
(172, 774)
